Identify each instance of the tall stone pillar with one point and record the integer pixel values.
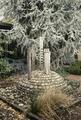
(33, 59)
(46, 61)
(41, 53)
(29, 63)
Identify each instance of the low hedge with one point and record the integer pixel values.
(74, 68)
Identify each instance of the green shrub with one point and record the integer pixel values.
(74, 68)
(62, 72)
(5, 68)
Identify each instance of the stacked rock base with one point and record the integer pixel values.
(40, 82)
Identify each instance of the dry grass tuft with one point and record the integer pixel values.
(48, 102)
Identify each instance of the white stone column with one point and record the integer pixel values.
(33, 54)
(46, 61)
(29, 63)
(41, 53)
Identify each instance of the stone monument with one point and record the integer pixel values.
(46, 61)
(37, 81)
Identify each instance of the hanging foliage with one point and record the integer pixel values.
(57, 21)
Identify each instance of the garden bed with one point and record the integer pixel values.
(20, 99)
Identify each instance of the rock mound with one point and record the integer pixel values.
(40, 82)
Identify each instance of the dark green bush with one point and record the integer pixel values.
(62, 72)
(5, 68)
(74, 68)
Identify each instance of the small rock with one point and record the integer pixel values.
(11, 96)
(21, 105)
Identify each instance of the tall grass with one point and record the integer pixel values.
(47, 103)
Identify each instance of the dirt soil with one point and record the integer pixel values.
(74, 77)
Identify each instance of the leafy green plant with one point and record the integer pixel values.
(74, 68)
(5, 68)
(62, 72)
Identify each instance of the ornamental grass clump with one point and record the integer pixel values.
(48, 102)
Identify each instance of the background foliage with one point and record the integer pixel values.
(57, 22)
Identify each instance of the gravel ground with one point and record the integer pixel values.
(7, 113)
(11, 94)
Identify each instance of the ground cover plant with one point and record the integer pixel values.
(62, 72)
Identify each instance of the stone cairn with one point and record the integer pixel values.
(39, 80)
